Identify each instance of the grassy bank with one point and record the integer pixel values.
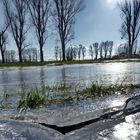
(56, 63)
(49, 63)
(25, 64)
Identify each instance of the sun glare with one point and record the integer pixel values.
(113, 3)
(109, 1)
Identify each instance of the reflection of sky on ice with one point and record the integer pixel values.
(128, 130)
(117, 102)
(102, 73)
(108, 73)
(125, 131)
(118, 72)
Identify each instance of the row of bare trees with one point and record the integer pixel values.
(96, 51)
(21, 15)
(123, 50)
(64, 17)
(28, 55)
(18, 13)
(102, 50)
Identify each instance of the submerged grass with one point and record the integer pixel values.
(96, 90)
(45, 96)
(32, 99)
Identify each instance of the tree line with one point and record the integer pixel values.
(28, 55)
(123, 50)
(95, 51)
(21, 16)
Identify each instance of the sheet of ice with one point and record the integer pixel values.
(14, 130)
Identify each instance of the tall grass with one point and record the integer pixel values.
(45, 96)
(96, 90)
(33, 99)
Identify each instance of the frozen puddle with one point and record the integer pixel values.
(109, 124)
(121, 129)
(14, 130)
(125, 127)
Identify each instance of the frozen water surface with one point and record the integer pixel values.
(73, 112)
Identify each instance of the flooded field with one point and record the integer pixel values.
(105, 73)
(14, 79)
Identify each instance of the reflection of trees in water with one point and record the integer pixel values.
(5, 80)
(63, 76)
(22, 80)
(42, 79)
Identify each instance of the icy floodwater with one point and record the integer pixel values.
(13, 79)
(108, 73)
(123, 129)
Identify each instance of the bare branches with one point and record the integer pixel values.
(39, 11)
(3, 41)
(130, 29)
(16, 13)
(64, 16)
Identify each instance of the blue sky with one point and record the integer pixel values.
(99, 21)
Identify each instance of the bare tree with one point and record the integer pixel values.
(135, 47)
(64, 16)
(91, 51)
(60, 54)
(75, 52)
(69, 53)
(34, 54)
(138, 50)
(79, 51)
(101, 49)
(83, 51)
(26, 55)
(39, 11)
(123, 50)
(9, 55)
(130, 11)
(105, 48)
(110, 48)
(56, 52)
(16, 13)
(12, 55)
(96, 49)
(3, 41)
(30, 55)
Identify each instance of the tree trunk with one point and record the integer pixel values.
(3, 58)
(130, 51)
(41, 55)
(110, 55)
(105, 55)
(20, 55)
(63, 51)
